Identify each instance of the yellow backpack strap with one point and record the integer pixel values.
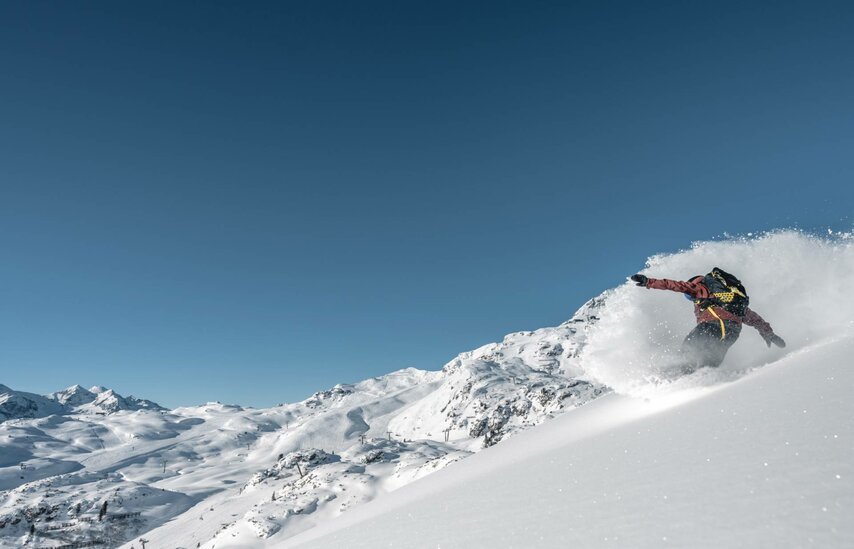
(714, 314)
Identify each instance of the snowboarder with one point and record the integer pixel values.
(721, 307)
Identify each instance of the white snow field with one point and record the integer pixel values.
(495, 449)
(764, 461)
(758, 453)
(215, 473)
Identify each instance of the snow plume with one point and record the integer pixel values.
(796, 281)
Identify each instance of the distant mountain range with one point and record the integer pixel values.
(73, 400)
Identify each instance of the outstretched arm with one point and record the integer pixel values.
(752, 318)
(694, 289)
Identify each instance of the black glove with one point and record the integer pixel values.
(640, 279)
(775, 339)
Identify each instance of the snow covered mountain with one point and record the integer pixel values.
(212, 472)
(73, 400)
(18, 404)
(757, 453)
(220, 475)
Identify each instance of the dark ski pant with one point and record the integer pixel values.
(704, 346)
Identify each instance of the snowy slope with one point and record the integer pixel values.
(356, 442)
(765, 461)
(757, 453)
(209, 473)
(347, 461)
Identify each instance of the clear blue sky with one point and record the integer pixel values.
(252, 201)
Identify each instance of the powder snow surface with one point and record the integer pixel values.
(565, 436)
(759, 453)
(765, 461)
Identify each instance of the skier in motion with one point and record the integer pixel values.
(721, 307)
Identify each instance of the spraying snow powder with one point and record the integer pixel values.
(797, 282)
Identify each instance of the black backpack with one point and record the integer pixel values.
(727, 292)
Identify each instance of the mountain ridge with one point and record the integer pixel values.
(75, 399)
(217, 475)
(272, 472)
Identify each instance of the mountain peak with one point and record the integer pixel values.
(73, 396)
(72, 400)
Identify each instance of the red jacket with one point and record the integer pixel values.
(698, 291)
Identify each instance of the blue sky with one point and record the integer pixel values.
(249, 202)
